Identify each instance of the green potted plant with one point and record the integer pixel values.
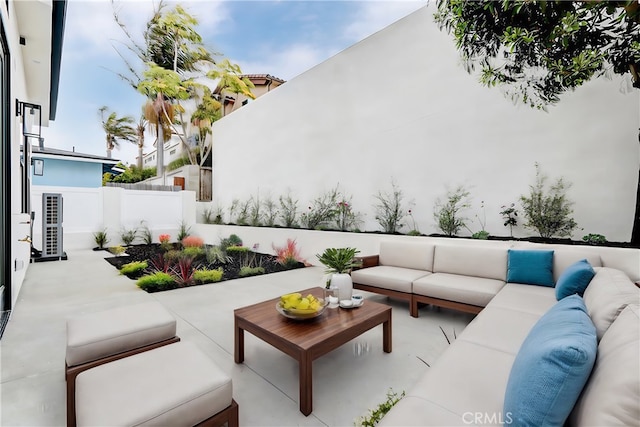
(338, 263)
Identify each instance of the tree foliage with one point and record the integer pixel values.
(116, 128)
(540, 49)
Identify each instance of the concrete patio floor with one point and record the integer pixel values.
(347, 382)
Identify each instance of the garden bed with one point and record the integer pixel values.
(231, 266)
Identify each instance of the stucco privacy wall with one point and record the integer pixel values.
(400, 106)
(88, 210)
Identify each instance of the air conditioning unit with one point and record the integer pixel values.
(52, 226)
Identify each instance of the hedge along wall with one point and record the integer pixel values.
(399, 106)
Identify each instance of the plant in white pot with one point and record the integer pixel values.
(339, 262)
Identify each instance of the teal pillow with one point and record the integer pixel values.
(574, 279)
(552, 366)
(531, 267)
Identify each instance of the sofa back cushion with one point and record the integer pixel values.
(608, 293)
(552, 366)
(612, 394)
(415, 255)
(487, 262)
(530, 267)
(566, 256)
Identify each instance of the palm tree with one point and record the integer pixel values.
(116, 128)
(140, 128)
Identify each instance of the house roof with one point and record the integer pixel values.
(253, 77)
(54, 152)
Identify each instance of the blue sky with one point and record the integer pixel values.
(282, 38)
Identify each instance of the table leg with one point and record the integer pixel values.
(306, 383)
(238, 343)
(386, 335)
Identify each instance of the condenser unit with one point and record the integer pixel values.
(52, 226)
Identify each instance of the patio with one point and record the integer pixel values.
(347, 381)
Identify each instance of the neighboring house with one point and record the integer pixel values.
(62, 168)
(31, 34)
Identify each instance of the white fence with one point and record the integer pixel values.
(88, 210)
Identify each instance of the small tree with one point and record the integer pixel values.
(116, 128)
(389, 210)
(448, 215)
(548, 211)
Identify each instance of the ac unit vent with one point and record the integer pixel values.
(52, 225)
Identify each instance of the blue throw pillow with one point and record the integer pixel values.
(575, 279)
(530, 267)
(552, 366)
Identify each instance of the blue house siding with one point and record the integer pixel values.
(66, 173)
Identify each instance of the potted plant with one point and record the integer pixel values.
(338, 263)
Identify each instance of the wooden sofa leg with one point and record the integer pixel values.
(413, 308)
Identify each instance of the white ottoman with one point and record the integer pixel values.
(97, 338)
(174, 385)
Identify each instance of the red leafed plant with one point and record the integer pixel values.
(289, 255)
(160, 263)
(192, 242)
(164, 238)
(183, 272)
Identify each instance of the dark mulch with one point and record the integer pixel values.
(231, 269)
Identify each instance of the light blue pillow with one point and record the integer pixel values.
(574, 279)
(552, 366)
(531, 267)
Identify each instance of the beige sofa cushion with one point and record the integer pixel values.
(612, 394)
(467, 378)
(97, 335)
(172, 385)
(525, 298)
(412, 255)
(487, 262)
(453, 287)
(565, 256)
(387, 277)
(416, 411)
(608, 293)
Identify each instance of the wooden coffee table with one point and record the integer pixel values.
(307, 340)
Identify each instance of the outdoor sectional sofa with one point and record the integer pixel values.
(538, 353)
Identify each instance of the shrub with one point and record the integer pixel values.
(158, 281)
(133, 267)
(232, 240)
(183, 231)
(389, 212)
(289, 255)
(192, 242)
(510, 217)
(594, 239)
(448, 214)
(178, 163)
(101, 238)
(548, 211)
(146, 235)
(237, 249)
(164, 242)
(211, 216)
(193, 251)
(480, 235)
(161, 262)
(288, 210)
(173, 255)
(270, 212)
(322, 211)
(183, 271)
(255, 211)
(346, 219)
(116, 250)
(414, 229)
(215, 254)
(128, 236)
(250, 271)
(207, 276)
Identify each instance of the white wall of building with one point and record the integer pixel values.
(399, 106)
(88, 210)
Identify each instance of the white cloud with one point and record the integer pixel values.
(373, 16)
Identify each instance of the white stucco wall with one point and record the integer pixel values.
(399, 106)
